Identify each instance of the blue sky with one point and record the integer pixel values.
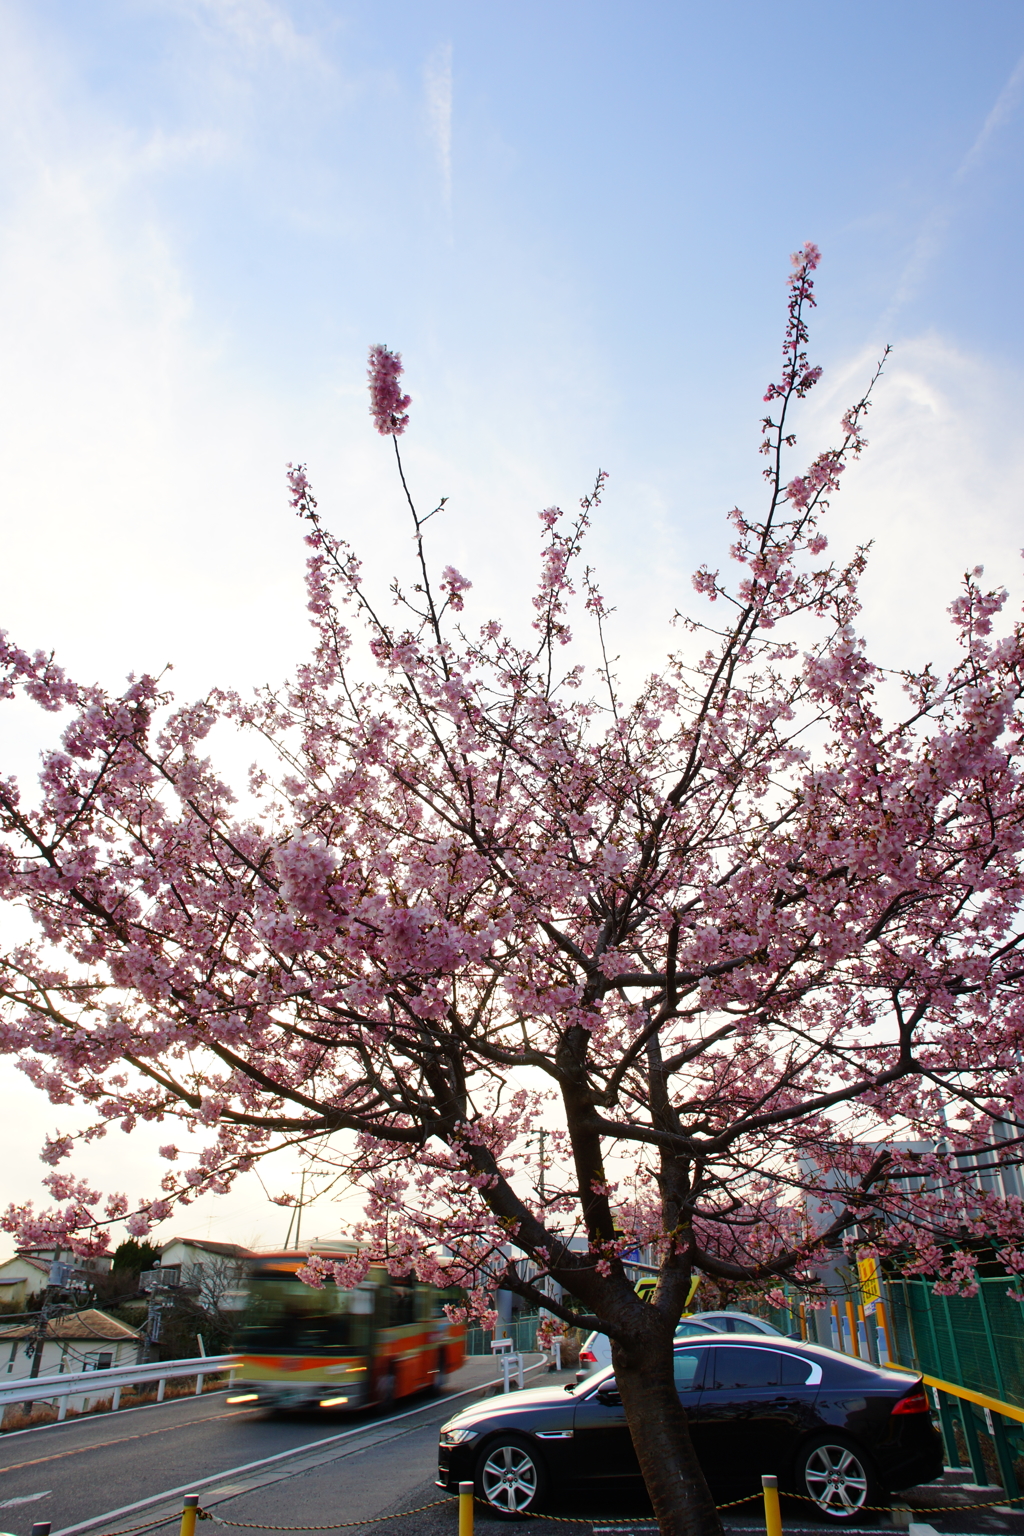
(573, 220)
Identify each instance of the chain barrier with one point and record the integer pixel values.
(344, 1525)
(922, 1509)
(339, 1525)
(129, 1530)
(244, 1525)
(916, 1509)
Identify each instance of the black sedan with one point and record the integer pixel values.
(837, 1430)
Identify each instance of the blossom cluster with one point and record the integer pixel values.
(388, 406)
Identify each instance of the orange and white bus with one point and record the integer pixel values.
(337, 1347)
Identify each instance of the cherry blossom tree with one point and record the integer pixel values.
(733, 943)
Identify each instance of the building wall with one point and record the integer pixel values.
(67, 1356)
(28, 1275)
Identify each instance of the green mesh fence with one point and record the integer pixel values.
(970, 1341)
(974, 1341)
(523, 1333)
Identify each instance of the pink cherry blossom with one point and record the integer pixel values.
(388, 406)
(743, 943)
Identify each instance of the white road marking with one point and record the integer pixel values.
(26, 1498)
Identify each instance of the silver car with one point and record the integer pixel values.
(597, 1348)
(735, 1322)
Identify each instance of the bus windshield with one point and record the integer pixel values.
(287, 1317)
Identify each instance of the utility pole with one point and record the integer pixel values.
(39, 1343)
(295, 1219)
(302, 1197)
(51, 1306)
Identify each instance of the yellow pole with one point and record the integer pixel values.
(882, 1317)
(852, 1321)
(803, 1320)
(188, 1514)
(772, 1512)
(466, 1510)
(839, 1330)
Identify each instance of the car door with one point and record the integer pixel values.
(756, 1404)
(602, 1445)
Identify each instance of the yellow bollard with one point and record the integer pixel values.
(465, 1509)
(772, 1512)
(188, 1514)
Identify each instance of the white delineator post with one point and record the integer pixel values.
(511, 1361)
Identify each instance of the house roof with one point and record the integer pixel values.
(221, 1250)
(88, 1324)
(42, 1265)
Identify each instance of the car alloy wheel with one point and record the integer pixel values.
(510, 1478)
(837, 1479)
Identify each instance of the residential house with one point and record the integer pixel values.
(31, 1270)
(89, 1340)
(213, 1272)
(21, 1277)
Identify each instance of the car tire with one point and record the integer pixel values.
(384, 1395)
(839, 1479)
(511, 1478)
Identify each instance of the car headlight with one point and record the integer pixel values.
(458, 1436)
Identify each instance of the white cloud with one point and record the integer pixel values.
(438, 83)
(932, 233)
(939, 489)
(1005, 106)
(257, 27)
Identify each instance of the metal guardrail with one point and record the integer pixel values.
(995, 1411)
(34, 1389)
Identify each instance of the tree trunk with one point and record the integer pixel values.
(661, 1437)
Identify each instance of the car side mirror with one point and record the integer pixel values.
(608, 1394)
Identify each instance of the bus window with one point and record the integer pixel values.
(283, 1314)
(403, 1304)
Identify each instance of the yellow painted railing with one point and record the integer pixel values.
(993, 1404)
(997, 1410)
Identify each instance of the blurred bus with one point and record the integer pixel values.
(337, 1347)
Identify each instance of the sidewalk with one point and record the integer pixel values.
(961, 1515)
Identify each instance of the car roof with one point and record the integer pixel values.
(817, 1352)
(748, 1317)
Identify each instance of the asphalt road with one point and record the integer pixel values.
(120, 1472)
(95, 1472)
